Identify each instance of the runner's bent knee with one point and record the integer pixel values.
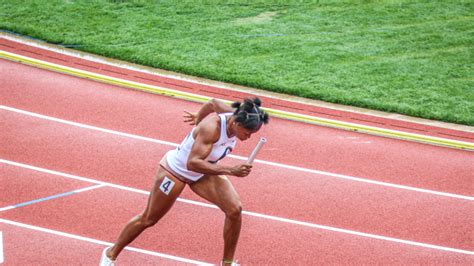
(234, 211)
(147, 220)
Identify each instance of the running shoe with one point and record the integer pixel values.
(104, 260)
(234, 263)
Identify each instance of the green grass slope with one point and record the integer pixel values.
(408, 57)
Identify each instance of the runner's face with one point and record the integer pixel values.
(243, 133)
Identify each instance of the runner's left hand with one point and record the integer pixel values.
(190, 118)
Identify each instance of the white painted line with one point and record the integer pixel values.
(75, 177)
(1, 248)
(88, 188)
(351, 232)
(264, 216)
(100, 242)
(49, 118)
(368, 181)
(51, 197)
(7, 208)
(301, 169)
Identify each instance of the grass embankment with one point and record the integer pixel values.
(413, 58)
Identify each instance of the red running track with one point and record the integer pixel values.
(33, 51)
(194, 232)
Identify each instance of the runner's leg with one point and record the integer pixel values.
(219, 190)
(158, 205)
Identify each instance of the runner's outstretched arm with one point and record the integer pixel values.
(212, 106)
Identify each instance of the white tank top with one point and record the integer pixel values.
(177, 159)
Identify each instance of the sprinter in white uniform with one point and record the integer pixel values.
(195, 162)
(177, 160)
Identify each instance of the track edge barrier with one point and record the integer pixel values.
(274, 112)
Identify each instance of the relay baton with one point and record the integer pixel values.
(255, 150)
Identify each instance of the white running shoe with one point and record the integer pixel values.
(104, 260)
(234, 263)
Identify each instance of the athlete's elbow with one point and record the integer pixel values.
(214, 105)
(192, 165)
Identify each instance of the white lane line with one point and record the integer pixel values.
(87, 188)
(296, 168)
(351, 232)
(1, 248)
(60, 195)
(100, 242)
(86, 126)
(263, 216)
(368, 181)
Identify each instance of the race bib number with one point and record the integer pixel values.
(167, 185)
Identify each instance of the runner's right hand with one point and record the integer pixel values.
(241, 170)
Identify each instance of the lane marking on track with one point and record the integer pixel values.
(1, 247)
(390, 133)
(100, 242)
(296, 168)
(254, 214)
(69, 193)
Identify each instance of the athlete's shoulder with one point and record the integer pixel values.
(209, 129)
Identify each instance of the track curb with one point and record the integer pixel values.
(274, 112)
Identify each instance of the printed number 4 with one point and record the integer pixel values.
(167, 185)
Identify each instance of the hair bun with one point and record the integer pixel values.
(257, 102)
(236, 105)
(248, 103)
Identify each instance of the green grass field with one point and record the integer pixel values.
(408, 57)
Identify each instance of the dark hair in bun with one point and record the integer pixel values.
(249, 113)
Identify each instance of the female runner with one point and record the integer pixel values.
(194, 163)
